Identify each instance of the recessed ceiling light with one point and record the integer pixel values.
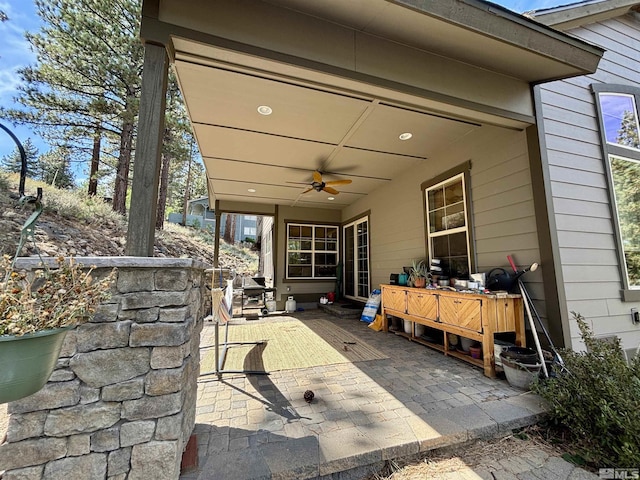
(265, 110)
(331, 198)
(252, 190)
(405, 136)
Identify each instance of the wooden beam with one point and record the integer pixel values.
(216, 258)
(146, 166)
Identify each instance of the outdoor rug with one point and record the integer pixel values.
(288, 345)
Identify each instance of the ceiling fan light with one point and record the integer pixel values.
(265, 110)
(405, 136)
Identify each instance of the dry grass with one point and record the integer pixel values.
(480, 454)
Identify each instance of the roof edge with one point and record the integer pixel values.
(444, 10)
(577, 14)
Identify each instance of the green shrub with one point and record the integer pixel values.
(597, 399)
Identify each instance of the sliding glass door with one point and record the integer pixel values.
(356, 259)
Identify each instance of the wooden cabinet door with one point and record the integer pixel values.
(394, 299)
(461, 312)
(422, 305)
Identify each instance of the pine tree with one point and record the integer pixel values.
(177, 147)
(83, 91)
(627, 191)
(628, 133)
(86, 80)
(13, 162)
(55, 168)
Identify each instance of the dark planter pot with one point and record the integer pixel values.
(27, 361)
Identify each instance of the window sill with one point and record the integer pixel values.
(308, 280)
(630, 295)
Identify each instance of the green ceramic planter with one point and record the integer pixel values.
(26, 362)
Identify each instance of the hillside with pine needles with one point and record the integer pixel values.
(74, 224)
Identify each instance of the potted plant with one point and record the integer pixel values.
(37, 308)
(419, 273)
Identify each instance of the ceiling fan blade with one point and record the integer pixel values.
(339, 182)
(307, 190)
(330, 190)
(317, 176)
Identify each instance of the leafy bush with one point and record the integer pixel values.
(597, 399)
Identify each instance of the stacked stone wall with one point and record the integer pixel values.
(121, 401)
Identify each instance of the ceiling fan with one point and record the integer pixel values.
(319, 185)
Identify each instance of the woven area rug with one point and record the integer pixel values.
(290, 344)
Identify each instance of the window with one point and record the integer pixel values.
(249, 231)
(447, 225)
(356, 259)
(312, 251)
(618, 115)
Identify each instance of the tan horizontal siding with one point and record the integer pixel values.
(571, 256)
(583, 240)
(578, 207)
(579, 177)
(576, 163)
(585, 225)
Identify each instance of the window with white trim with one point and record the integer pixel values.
(447, 225)
(312, 251)
(618, 115)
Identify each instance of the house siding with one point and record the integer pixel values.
(502, 208)
(579, 188)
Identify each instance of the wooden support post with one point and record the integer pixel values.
(216, 244)
(146, 167)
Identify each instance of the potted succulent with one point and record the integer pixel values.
(419, 273)
(37, 308)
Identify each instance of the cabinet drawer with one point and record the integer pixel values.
(394, 299)
(461, 312)
(422, 305)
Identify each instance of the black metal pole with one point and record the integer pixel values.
(23, 158)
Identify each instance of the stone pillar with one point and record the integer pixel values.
(121, 402)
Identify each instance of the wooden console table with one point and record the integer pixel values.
(475, 316)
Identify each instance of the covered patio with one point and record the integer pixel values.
(388, 96)
(407, 400)
(397, 100)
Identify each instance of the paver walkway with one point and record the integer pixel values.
(363, 413)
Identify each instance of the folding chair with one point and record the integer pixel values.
(222, 305)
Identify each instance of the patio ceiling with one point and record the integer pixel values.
(338, 107)
(343, 136)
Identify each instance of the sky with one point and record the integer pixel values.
(15, 53)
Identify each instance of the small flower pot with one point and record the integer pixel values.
(475, 351)
(420, 282)
(27, 361)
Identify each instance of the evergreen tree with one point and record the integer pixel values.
(627, 191)
(13, 162)
(177, 145)
(55, 168)
(628, 133)
(83, 91)
(86, 80)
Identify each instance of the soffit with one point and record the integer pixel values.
(344, 136)
(345, 126)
